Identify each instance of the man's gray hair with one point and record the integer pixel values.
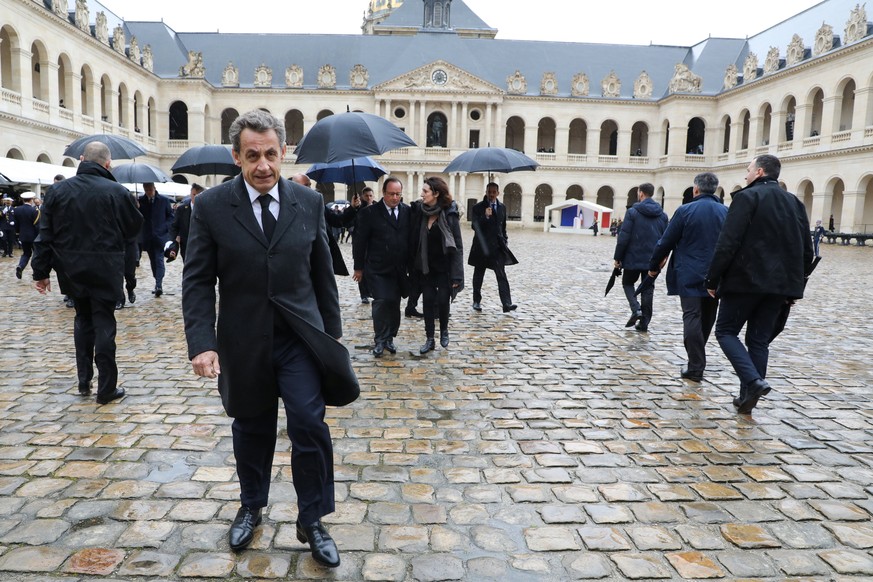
(96, 152)
(257, 120)
(706, 182)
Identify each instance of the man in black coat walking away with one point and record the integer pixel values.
(26, 218)
(88, 257)
(761, 260)
(490, 249)
(157, 211)
(182, 225)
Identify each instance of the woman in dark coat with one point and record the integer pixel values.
(437, 256)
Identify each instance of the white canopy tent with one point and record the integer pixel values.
(575, 216)
(36, 174)
(171, 190)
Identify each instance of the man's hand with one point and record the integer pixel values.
(206, 364)
(617, 264)
(43, 286)
(488, 212)
(357, 276)
(711, 293)
(653, 274)
(356, 201)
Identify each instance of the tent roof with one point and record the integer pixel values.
(24, 172)
(573, 202)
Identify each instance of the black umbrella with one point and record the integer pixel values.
(647, 282)
(616, 273)
(206, 160)
(136, 173)
(121, 148)
(349, 172)
(501, 160)
(350, 135)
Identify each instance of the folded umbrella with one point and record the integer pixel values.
(648, 281)
(616, 273)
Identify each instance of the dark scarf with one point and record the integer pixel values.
(443, 225)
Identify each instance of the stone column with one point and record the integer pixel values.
(465, 132)
(622, 145)
(527, 207)
(562, 140)
(452, 138)
(830, 116)
(592, 141)
(196, 124)
(22, 58)
(859, 113)
(852, 217)
(802, 122)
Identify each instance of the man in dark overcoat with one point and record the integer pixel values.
(26, 218)
(180, 229)
(380, 250)
(263, 240)
(88, 256)
(490, 249)
(157, 211)
(761, 261)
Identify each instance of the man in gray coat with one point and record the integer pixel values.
(263, 239)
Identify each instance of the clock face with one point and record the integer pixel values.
(439, 77)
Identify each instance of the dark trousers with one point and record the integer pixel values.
(94, 337)
(502, 283)
(386, 319)
(8, 241)
(628, 282)
(698, 317)
(131, 250)
(155, 250)
(436, 293)
(414, 290)
(758, 312)
(362, 289)
(254, 439)
(26, 253)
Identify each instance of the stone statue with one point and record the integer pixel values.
(610, 86)
(294, 77)
(824, 39)
(230, 76)
(750, 68)
(263, 76)
(771, 63)
(856, 26)
(435, 139)
(684, 81)
(643, 86)
(59, 7)
(194, 68)
(731, 75)
(415, 80)
(118, 41)
(134, 50)
(101, 28)
(82, 15)
(796, 51)
(148, 62)
(580, 85)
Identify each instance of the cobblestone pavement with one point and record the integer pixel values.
(548, 444)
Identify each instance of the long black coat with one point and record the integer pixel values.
(27, 221)
(226, 244)
(181, 225)
(157, 219)
(455, 257)
(490, 247)
(764, 245)
(85, 221)
(380, 249)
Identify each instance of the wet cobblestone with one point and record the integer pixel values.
(548, 444)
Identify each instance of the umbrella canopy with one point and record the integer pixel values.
(139, 173)
(364, 169)
(350, 135)
(206, 159)
(121, 148)
(491, 160)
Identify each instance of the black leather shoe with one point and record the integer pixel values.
(365, 300)
(477, 306)
(640, 326)
(413, 312)
(379, 349)
(18, 272)
(119, 305)
(119, 393)
(693, 376)
(158, 291)
(444, 339)
(738, 399)
(242, 530)
(633, 318)
(85, 389)
(428, 346)
(756, 389)
(70, 302)
(389, 345)
(323, 547)
(131, 296)
(508, 308)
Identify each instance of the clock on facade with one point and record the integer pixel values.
(439, 77)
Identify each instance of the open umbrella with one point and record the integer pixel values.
(139, 173)
(349, 172)
(120, 147)
(206, 159)
(350, 135)
(501, 160)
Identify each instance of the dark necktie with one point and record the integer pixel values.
(268, 221)
(494, 208)
(395, 214)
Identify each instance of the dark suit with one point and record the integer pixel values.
(380, 251)
(181, 225)
(489, 250)
(261, 355)
(334, 220)
(7, 226)
(26, 218)
(157, 218)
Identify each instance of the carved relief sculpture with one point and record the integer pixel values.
(148, 62)
(101, 28)
(610, 86)
(327, 77)
(194, 68)
(796, 50)
(118, 41)
(60, 8)
(750, 68)
(771, 63)
(416, 79)
(294, 77)
(730, 76)
(579, 86)
(230, 75)
(549, 84)
(82, 15)
(856, 26)
(684, 81)
(359, 77)
(263, 76)
(824, 39)
(516, 84)
(134, 50)
(460, 82)
(643, 86)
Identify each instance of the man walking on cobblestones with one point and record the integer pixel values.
(489, 249)
(761, 260)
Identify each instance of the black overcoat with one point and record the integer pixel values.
(489, 248)
(380, 250)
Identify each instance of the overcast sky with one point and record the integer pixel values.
(672, 22)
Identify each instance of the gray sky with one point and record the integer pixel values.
(672, 22)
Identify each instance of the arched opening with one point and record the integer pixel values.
(578, 138)
(576, 192)
(512, 199)
(178, 120)
(39, 71)
(688, 195)
(228, 116)
(152, 117)
(546, 135)
(606, 197)
(515, 133)
(68, 163)
(608, 138)
(10, 76)
(66, 91)
(639, 145)
(294, 127)
(665, 131)
(766, 123)
(323, 113)
(15, 154)
(804, 192)
(747, 124)
(837, 206)
(695, 135)
(208, 127)
(786, 132)
(123, 106)
(327, 190)
(86, 91)
(137, 112)
(816, 110)
(542, 198)
(632, 197)
(726, 142)
(436, 130)
(847, 105)
(43, 159)
(866, 225)
(105, 99)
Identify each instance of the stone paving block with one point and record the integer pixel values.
(608, 513)
(587, 566)
(850, 562)
(94, 561)
(206, 565)
(701, 537)
(746, 564)
(33, 559)
(36, 533)
(263, 565)
(694, 565)
(550, 539)
(653, 538)
(384, 567)
(748, 536)
(798, 563)
(403, 538)
(604, 539)
(437, 567)
(840, 510)
(858, 536)
(145, 534)
(801, 535)
(552, 514)
(641, 566)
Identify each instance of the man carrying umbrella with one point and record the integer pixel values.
(489, 249)
(157, 211)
